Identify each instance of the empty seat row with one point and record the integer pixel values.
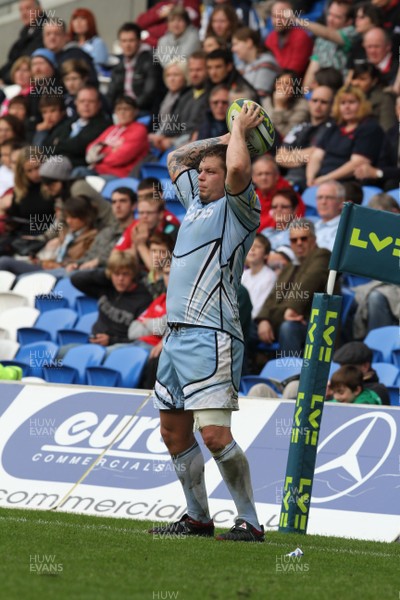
(83, 364)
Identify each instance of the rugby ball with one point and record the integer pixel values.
(260, 139)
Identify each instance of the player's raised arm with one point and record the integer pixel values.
(188, 156)
(237, 157)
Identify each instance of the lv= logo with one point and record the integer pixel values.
(378, 244)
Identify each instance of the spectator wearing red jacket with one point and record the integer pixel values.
(290, 45)
(267, 181)
(120, 147)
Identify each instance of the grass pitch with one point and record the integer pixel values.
(56, 556)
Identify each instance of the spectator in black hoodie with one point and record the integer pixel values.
(121, 298)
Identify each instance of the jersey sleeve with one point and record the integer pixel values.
(187, 187)
(246, 207)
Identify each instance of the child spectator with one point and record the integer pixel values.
(258, 279)
(121, 298)
(347, 387)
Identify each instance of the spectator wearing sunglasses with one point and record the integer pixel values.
(285, 313)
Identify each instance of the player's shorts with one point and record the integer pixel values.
(199, 368)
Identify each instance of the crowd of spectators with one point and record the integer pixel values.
(71, 110)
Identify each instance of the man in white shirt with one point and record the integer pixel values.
(330, 198)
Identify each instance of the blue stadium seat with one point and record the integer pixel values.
(47, 325)
(382, 341)
(280, 369)
(145, 120)
(164, 158)
(111, 186)
(347, 302)
(247, 382)
(176, 208)
(388, 374)
(33, 358)
(334, 367)
(351, 280)
(368, 192)
(80, 333)
(63, 295)
(73, 366)
(154, 170)
(310, 200)
(122, 368)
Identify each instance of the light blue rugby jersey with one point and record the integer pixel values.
(209, 254)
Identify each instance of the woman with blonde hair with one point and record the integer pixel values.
(29, 206)
(355, 139)
(29, 214)
(21, 81)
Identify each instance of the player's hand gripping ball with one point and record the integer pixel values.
(260, 139)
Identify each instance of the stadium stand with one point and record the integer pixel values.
(64, 315)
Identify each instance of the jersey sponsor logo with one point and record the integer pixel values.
(198, 213)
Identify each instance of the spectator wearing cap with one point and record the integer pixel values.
(280, 258)
(58, 184)
(72, 138)
(137, 74)
(120, 147)
(181, 39)
(45, 81)
(360, 355)
(30, 36)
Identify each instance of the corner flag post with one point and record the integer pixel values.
(367, 243)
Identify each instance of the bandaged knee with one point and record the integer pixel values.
(211, 416)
